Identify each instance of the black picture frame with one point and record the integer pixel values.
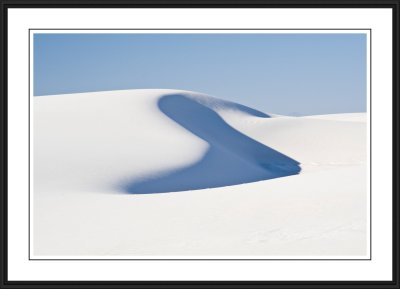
(325, 4)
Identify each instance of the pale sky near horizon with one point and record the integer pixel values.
(289, 74)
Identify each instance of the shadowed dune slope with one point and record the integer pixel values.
(232, 157)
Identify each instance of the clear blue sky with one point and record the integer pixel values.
(292, 74)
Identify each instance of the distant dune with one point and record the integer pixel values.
(177, 173)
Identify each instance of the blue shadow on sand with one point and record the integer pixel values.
(232, 158)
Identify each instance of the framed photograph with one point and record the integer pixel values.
(249, 144)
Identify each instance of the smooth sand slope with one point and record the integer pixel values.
(158, 173)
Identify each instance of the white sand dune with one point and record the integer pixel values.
(160, 173)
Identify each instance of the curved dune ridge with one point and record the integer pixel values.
(231, 158)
